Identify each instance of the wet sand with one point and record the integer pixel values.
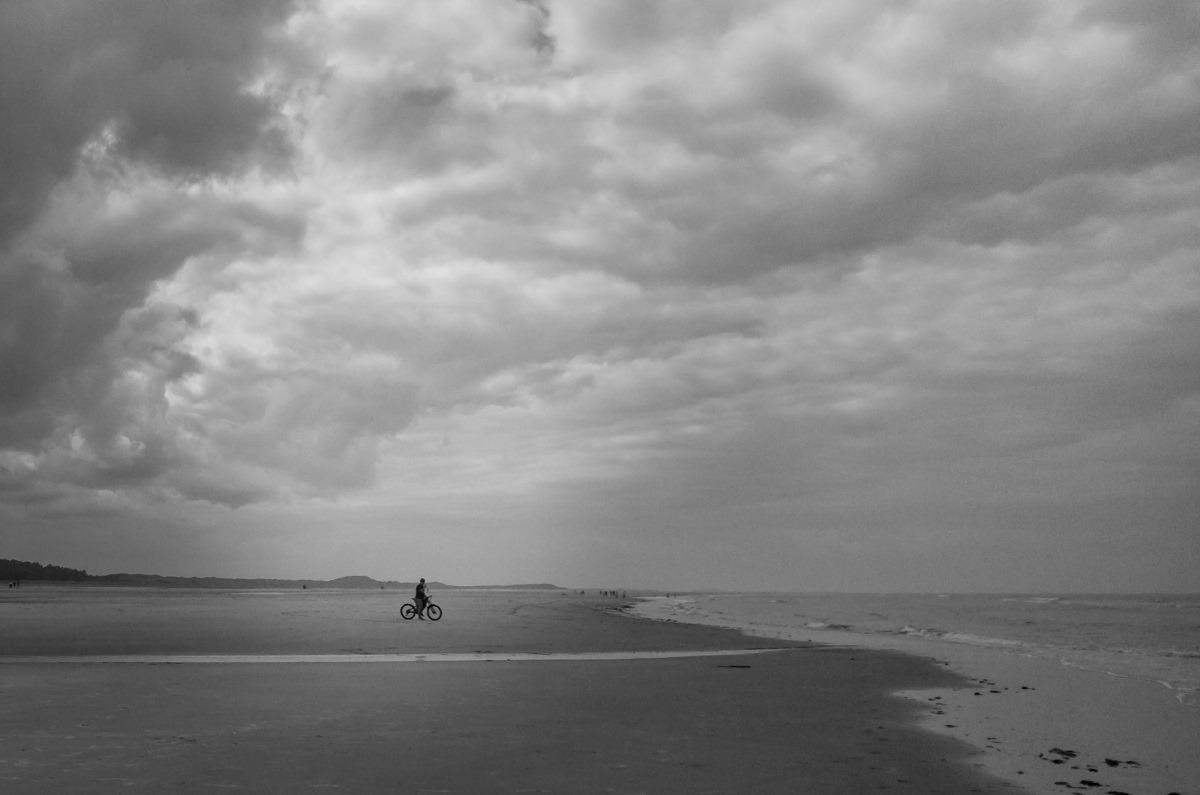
(800, 718)
(1045, 726)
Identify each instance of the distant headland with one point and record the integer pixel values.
(25, 571)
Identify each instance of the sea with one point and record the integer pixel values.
(1145, 636)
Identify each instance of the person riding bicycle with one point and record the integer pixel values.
(421, 599)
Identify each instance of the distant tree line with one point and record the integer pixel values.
(12, 570)
(24, 570)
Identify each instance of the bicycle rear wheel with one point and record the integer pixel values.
(407, 611)
(433, 611)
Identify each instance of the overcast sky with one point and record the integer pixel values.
(755, 295)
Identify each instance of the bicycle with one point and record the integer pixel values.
(432, 611)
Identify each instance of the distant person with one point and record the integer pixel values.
(421, 599)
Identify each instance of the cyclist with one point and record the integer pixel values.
(421, 599)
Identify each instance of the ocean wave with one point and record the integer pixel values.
(1112, 602)
(959, 637)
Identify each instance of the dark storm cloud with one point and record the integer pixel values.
(168, 80)
(93, 95)
(63, 292)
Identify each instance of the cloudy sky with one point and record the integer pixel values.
(846, 295)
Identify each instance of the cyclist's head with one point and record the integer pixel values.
(422, 579)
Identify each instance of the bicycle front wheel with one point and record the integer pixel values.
(433, 611)
(407, 612)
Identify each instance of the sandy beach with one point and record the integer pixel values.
(1046, 725)
(102, 692)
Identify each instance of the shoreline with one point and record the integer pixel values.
(1039, 724)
